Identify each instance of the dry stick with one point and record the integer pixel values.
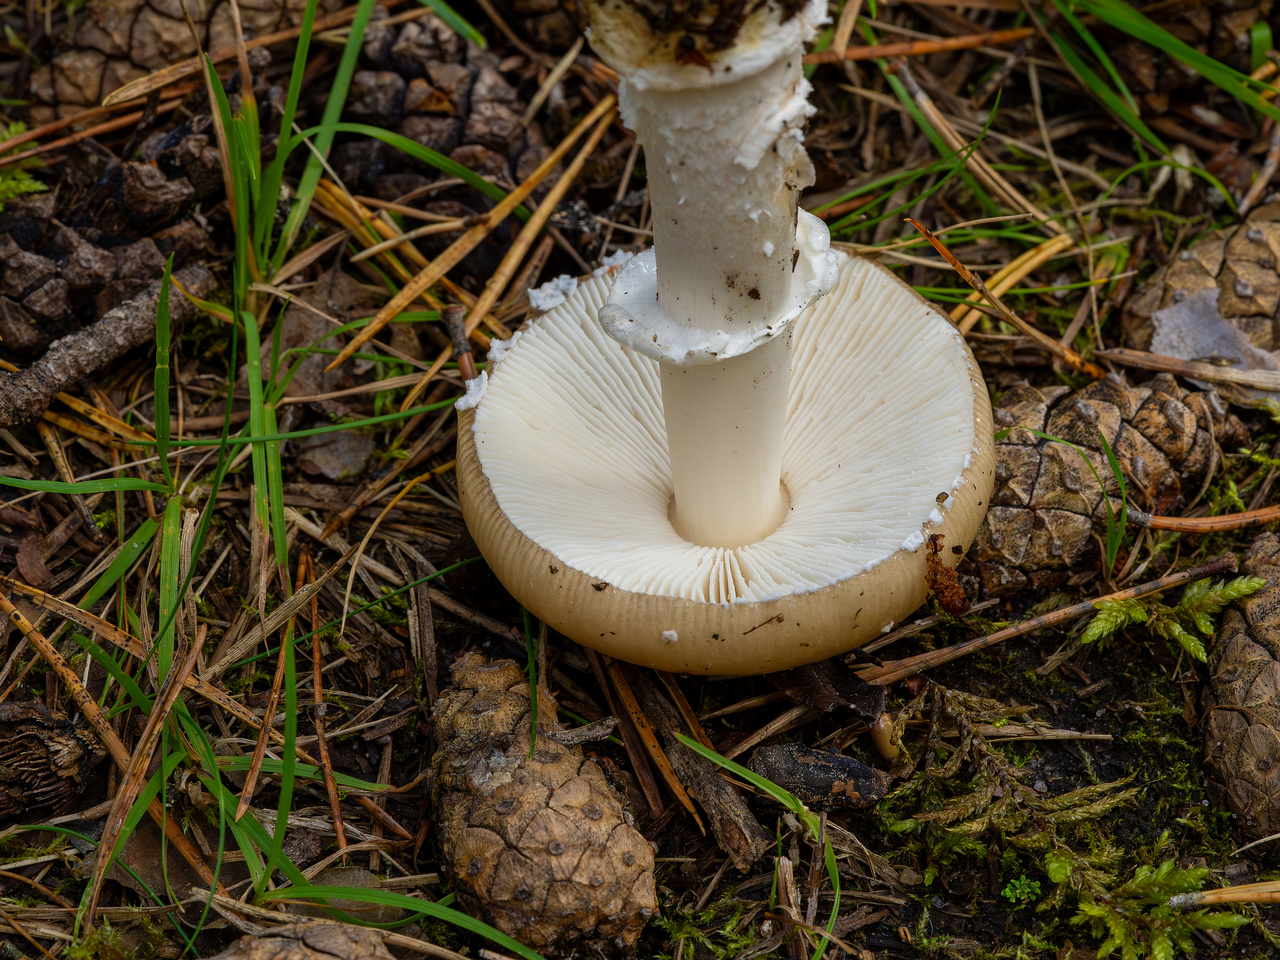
(88, 706)
(135, 777)
(454, 317)
(840, 43)
(109, 126)
(975, 163)
(455, 253)
(321, 709)
(1269, 166)
(1229, 521)
(686, 710)
(1268, 891)
(1065, 354)
(630, 739)
(897, 669)
(36, 134)
(1009, 276)
(497, 283)
(1194, 369)
(26, 394)
(650, 739)
(917, 48)
(53, 444)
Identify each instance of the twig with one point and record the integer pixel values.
(1009, 276)
(171, 74)
(630, 738)
(1263, 180)
(108, 126)
(975, 162)
(25, 395)
(650, 739)
(1268, 891)
(1065, 354)
(917, 48)
(1196, 370)
(897, 669)
(1229, 521)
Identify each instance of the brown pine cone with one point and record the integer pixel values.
(537, 845)
(1239, 262)
(1242, 701)
(46, 763)
(113, 42)
(309, 941)
(1047, 511)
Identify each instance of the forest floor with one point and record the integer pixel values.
(184, 495)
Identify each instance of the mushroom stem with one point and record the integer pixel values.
(718, 100)
(724, 436)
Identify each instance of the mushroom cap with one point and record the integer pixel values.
(565, 485)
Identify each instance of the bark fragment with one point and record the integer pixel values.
(26, 394)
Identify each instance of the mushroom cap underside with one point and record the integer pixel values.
(565, 485)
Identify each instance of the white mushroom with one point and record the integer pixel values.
(701, 464)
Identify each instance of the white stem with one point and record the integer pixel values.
(720, 123)
(724, 433)
(724, 232)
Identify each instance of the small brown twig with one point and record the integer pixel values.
(649, 739)
(919, 48)
(1263, 180)
(630, 738)
(26, 394)
(455, 322)
(1228, 521)
(1194, 369)
(897, 669)
(106, 733)
(1065, 354)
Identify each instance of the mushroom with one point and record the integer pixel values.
(700, 460)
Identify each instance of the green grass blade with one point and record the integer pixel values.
(1096, 49)
(792, 803)
(273, 176)
(161, 379)
(170, 582)
(1098, 87)
(105, 485)
(1137, 25)
(328, 128)
(425, 154)
(456, 22)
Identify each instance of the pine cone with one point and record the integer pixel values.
(1242, 702)
(117, 41)
(52, 278)
(1047, 506)
(45, 762)
(537, 845)
(1239, 262)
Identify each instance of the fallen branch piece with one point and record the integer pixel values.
(1228, 521)
(897, 669)
(26, 394)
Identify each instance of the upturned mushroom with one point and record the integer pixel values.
(724, 455)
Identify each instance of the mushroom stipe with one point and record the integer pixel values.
(565, 485)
